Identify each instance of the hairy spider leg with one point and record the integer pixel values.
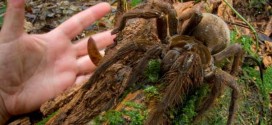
(231, 50)
(94, 98)
(169, 10)
(79, 95)
(185, 11)
(93, 52)
(191, 23)
(146, 14)
(158, 11)
(162, 29)
(219, 79)
(228, 80)
(128, 48)
(188, 21)
(121, 53)
(259, 64)
(153, 52)
(183, 76)
(122, 7)
(216, 90)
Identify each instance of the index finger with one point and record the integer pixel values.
(76, 24)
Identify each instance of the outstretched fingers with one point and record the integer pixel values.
(14, 19)
(80, 21)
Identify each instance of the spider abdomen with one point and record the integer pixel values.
(213, 32)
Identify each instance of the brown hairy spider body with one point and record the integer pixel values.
(152, 30)
(188, 55)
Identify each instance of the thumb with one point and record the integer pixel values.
(14, 19)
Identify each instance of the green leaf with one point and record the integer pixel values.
(152, 71)
(115, 118)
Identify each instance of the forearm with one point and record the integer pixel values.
(4, 116)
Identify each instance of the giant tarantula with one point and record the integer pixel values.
(187, 52)
(188, 56)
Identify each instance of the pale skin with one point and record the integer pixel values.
(37, 67)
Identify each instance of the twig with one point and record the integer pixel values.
(242, 25)
(250, 26)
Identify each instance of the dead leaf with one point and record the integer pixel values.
(268, 29)
(28, 26)
(264, 37)
(268, 47)
(224, 11)
(267, 60)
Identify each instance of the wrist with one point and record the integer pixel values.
(4, 115)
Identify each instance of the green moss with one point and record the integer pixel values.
(135, 2)
(188, 112)
(253, 74)
(267, 79)
(136, 117)
(98, 120)
(263, 87)
(151, 92)
(134, 105)
(219, 120)
(202, 93)
(152, 71)
(114, 118)
(258, 4)
(245, 41)
(135, 114)
(233, 37)
(44, 120)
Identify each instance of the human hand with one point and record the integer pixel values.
(35, 68)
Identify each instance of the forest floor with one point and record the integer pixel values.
(45, 15)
